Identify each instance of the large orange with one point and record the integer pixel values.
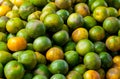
(16, 43)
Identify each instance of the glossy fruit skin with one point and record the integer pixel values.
(84, 46)
(116, 60)
(42, 44)
(16, 43)
(39, 77)
(14, 70)
(92, 61)
(28, 55)
(91, 74)
(35, 28)
(54, 53)
(39, 3)
(57, 76)
(59, 67)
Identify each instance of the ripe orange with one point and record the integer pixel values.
(16, 43)
(54, 53)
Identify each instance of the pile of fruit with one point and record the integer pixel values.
(59, 39)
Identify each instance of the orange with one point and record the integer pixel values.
(3, 46)
(35, 28)
(73, 75)
(92, 61)
(113, 43)
(100, 13)
(39, 77)
(39, 3)
(41, 59)
(16, 43)
(59, 67)
(4, 9)
(14, 25)
(106, 60)
(97, 3)
(89, 22)
(63, 4)
(28, 59)
(5, 57)
(72, 58)
(79, 33)
(7, 3)
(12, 14)
(16, 54)
(54, 53)
(42, 44)
(70, 45)
(82, 9)
(3, 37)
(53, 22)
(97, 33)
(13, 70)
(84, 46)
(34, 15)
(113, 73)
(75, 20)
(116, 61)
(57, 76)
(91, 74)
(111, 25)
(61, 37)
(112, 11)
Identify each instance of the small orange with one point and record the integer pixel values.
(16, 43)
(54, 53)
(4, 9)
(79, 33)
(116, 61)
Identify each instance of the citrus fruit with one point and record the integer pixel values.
(7, 3)
(15, 55)
(3, 46)
(73, 75)
(63, 13)
(16, 43)
(59, 67)
(112, 11)
(116, 60)
(3, 37)
(30, 46)
(40, 58)
(82, 9)
(54, 53)
(14, 25)
(5, 57)
(23, 33)
(61, 37)
(79, 33)
(26, 9)
(72, 58)
(3, 21)
(106, 60)
(35, 28)
(113, 73)
(42, 69)
(27, 75)
(42, 43)
(53, 22)
(39, 3)
(57, 76)
(70, 45)
(63, 4)
(81, 68)
(92, 61)
(10, 35)
(1, 70)
(89, 22)
(28, 59)
(12, 14)
(75, 20)
(91, 74)
(4, 9)
(39, 77)
(84, 46)
(100, 13)
(113, 43)
(111, 25)
(14, 70)
(97, 3)
(100, 46)
(35, 15)
(96, 33)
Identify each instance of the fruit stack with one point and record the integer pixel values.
(60, 39)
